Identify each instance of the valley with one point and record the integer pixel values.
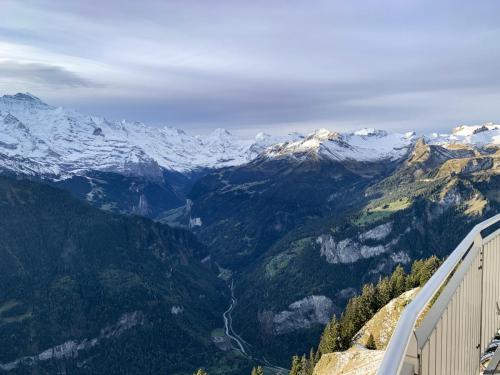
(241, 345)
(153, 222)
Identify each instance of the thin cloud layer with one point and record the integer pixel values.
(277, 66)
(43, 75)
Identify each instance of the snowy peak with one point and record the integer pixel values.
(37, 138)
(220, 134)
(362, 145)
(475, 135)
(21, 101)
(65, 142)
(468, 130)
(370, 132)
(26, 96)
(324, 135)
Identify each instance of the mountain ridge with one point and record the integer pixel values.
(39, 139)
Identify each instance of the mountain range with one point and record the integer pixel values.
(40, 139)
(292, 225)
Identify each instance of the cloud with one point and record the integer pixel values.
(239, 64)
(50, 76)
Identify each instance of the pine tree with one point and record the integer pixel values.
(257, 371)
(312, 361)
(295, 368)
(370, 343)
(398, 282)
(304, 365)
(368, 302)
(330, 339)
(200, 372)
(427, 270)
(317, 356)
(412, 280)
(384, 291)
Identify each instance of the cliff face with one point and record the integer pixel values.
(358, 360)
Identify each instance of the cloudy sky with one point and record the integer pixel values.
(257, 65)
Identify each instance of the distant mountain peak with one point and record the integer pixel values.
(261, 136)
(63, 141)
(467, 130)
(220, 132)
(368, 132)
(325, 134)
(23, 99)
(363, 145)
(23, 96)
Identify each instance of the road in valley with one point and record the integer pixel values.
(242, 345)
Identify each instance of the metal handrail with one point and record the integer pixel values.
(398, 345)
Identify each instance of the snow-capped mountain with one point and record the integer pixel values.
(363, 145)
(36, 138)
(39, 139)
(479, 135)
(369, 144)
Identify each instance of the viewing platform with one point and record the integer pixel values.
(452, 326)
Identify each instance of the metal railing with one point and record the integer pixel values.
(447, 327)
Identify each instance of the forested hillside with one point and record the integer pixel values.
(89, 292)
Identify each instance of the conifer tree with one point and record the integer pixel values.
(312, 361)
(370, 343)
(330, 337)
(304, 365)
(368, 302)
(383, 291)
(428, 268)
(398, 282)
(200, 372)
(295, 368)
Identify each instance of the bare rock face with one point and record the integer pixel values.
(353, 362)
(350, 250)
(303, 314)
(72, 348)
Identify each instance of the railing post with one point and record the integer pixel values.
(478, 241)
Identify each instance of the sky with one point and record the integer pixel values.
(260, 65)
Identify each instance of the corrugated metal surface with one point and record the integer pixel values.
(491, 290)
(451, 347)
